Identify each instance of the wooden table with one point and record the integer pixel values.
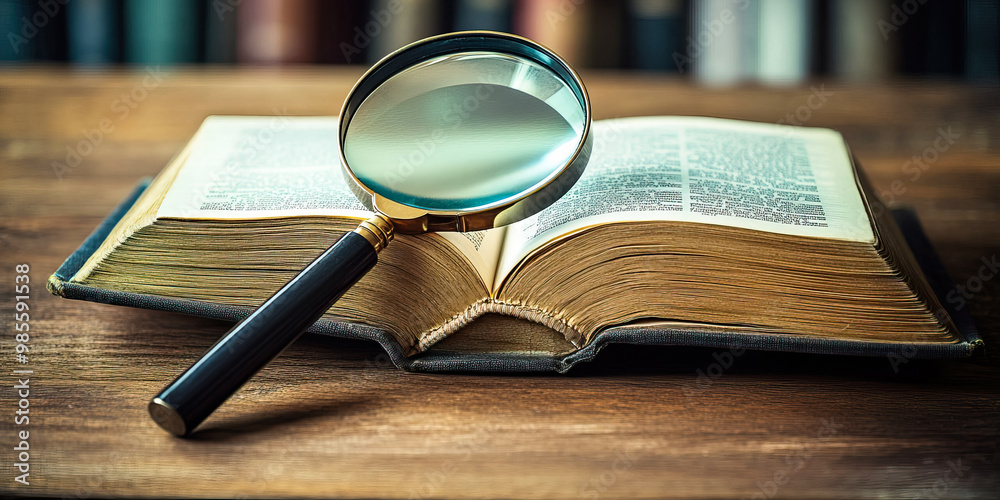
(329, 418)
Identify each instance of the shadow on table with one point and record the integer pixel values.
(270, 419)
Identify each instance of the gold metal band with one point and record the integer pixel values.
(377, 230)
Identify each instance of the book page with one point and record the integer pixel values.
(256, 167)
(482, 248)
(776, 178)
(253, 167)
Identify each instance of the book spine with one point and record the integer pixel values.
(491, 15)
(340, 34)
(717, 39)
(858, 50)
(93, 31)
(37, 31)
(220, 33)
(559, 25)
(982, 46)
(408, 21)
(605, 35)
(929, 35)
(656, 30)
(161, 32)
(944, 55)
(748, 26)
(783, 41)
(276, 32)
(493, 306)
(18, 31)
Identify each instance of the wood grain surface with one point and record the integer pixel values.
(331, 418)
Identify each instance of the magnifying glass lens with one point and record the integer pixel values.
(464, 131)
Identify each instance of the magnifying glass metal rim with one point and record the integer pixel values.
(414, 220)
(253, 342)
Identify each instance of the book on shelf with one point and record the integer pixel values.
(604, 44)
(161, 32)
(655, 31)
(945, 37)
(92, 30)
(220, 32)
(276, 32)
(493, 15)
(559, 25)
(783, 41)
(14, 22)
(982, 43)
(858, 52)
(723, 42)
(682, 230)
(931, 44)
(395, 23)
(340, 35)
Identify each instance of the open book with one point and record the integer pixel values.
(709, 224)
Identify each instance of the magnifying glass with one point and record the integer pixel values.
(458, 132)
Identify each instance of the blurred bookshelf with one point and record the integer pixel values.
(712, 42)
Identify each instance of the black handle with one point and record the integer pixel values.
(255, 341)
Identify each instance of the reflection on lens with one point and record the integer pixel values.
(464, 131)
